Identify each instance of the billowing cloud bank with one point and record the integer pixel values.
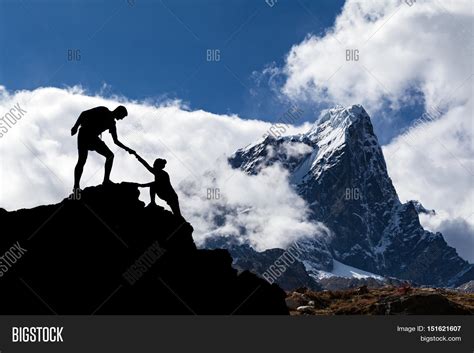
(425, 48)
(38, 156)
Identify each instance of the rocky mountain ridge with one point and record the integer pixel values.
(339, 169)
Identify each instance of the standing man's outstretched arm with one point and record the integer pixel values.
(113, 132)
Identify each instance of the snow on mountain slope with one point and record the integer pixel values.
(341, 270)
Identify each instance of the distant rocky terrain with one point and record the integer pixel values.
(387, 300)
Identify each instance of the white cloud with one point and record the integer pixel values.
(456, 230)
(424, 48)
(296, 149)
(434, 163)
(38, 156)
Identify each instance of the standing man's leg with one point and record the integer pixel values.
(82, 158)
(101, 148)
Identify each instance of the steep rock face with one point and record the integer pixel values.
(105, 253)
(286, 271)
(341, 172)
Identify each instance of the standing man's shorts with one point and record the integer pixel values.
(89, 142)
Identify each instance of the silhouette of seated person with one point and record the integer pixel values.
(161, 186)
(92, 123)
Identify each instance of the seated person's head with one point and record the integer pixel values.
(120, 112)
(159, 163)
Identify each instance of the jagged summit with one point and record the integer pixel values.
(341, 172)
(106, 253)
(339, 117)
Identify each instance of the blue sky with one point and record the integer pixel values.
(157, 49)
(145, 48)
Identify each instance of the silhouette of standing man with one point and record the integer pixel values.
(93, 122)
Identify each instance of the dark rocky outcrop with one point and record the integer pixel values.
(106, 253)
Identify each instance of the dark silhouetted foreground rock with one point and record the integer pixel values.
(108, 254)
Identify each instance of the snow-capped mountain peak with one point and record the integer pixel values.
(338, 117)
(342, 175)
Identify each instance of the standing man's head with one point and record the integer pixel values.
(120, 112)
